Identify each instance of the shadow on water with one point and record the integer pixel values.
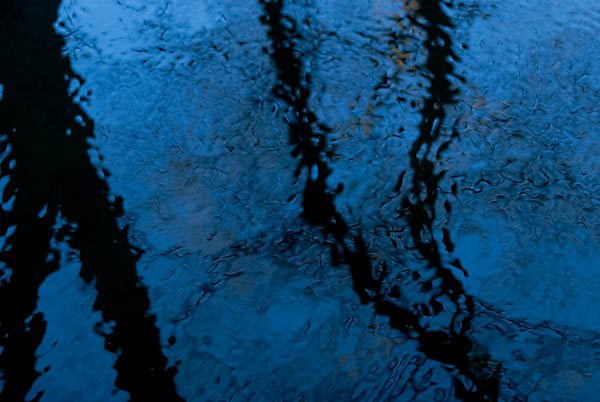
(477, 379)
(47, 135)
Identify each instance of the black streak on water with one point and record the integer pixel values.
(309, 140)
(54, 170)
(420, 206)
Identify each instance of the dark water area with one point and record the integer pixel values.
(284, 200)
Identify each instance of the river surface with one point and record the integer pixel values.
(299, 200)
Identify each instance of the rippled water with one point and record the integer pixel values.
(299, 200)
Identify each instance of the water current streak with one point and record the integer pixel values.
(309, 140)
(47, 135)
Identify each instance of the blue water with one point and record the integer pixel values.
(299, 200)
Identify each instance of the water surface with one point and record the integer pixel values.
(299, 201)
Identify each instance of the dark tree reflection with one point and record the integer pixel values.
(46, 134)
(477, 380)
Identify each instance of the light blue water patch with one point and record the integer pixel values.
(71, 357)
(287, 318)
(552, 280)
(479, 256)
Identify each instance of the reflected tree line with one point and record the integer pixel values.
(477, 379)
(47, 134)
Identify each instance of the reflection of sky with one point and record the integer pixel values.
(84, 370)
(180, 130)
(535, 251)
(197, 148)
